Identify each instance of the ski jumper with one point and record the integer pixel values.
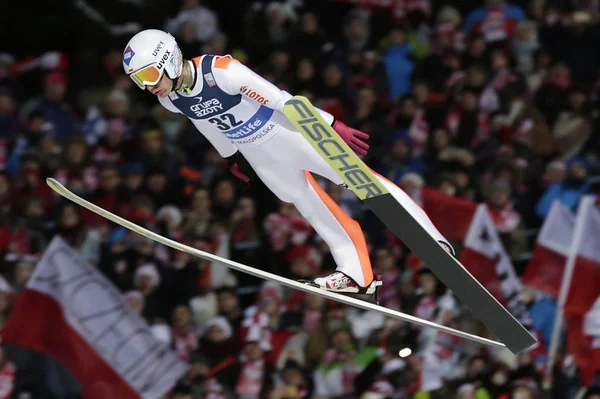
(236, 109)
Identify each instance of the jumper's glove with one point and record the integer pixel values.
(354, 138)
(240, 168)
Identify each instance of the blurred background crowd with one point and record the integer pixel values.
(487, 100)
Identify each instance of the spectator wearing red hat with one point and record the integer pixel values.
(303, 262)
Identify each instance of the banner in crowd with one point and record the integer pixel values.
(71, 312)
(546, 267)
(581, 292)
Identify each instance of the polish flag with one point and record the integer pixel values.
(487, 260)
(580, 290)
(71, 312)
(547, 264)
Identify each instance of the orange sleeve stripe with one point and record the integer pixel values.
(351, 227)
(197, 61)
(223, 62)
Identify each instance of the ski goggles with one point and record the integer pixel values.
(149, 75)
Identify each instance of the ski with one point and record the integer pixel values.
(365, 185)
(347, 300)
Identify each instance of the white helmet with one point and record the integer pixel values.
(149, 54)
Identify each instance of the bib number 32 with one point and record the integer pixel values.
(225, 122)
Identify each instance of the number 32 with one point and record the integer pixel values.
(225, 121)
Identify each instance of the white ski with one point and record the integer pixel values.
(60, 189)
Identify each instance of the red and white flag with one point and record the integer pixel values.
(581, 289)
(547, 264)
(72, 313)
(485, 257)
(452, 216)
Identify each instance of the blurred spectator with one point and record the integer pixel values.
(248, 373)
(568, 191)
(399, 66)
(185, 340)
(341, 363)
(8, 373)
(310, 39)
(229, 306)
(496, 20)
(77, 172)
(294, 382)
(204, 21)
(53, 105)
(29, 141)
(8, 113)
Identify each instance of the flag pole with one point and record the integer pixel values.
(582, 214)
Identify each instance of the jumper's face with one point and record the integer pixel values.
(162, 88)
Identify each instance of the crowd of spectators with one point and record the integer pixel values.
(487, 100)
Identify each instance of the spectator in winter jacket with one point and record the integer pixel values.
(204, 20)
(218, 341)
(53, 104)
(248, 374)
(398, 64)
(147, 281)
(496, 20)
(573, 126)
(294, 383)
(228, 304)
(342, 362)
(77, 172)
(568, 192)
(574, 40)
(400, 161)
(8, 113)
(34, 131)
(184, 337)
(525, 44)
(506, 219)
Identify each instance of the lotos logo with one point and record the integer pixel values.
(157, 49)
(163, 60)
(128, 55)
(206, 108)
(245, 90)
